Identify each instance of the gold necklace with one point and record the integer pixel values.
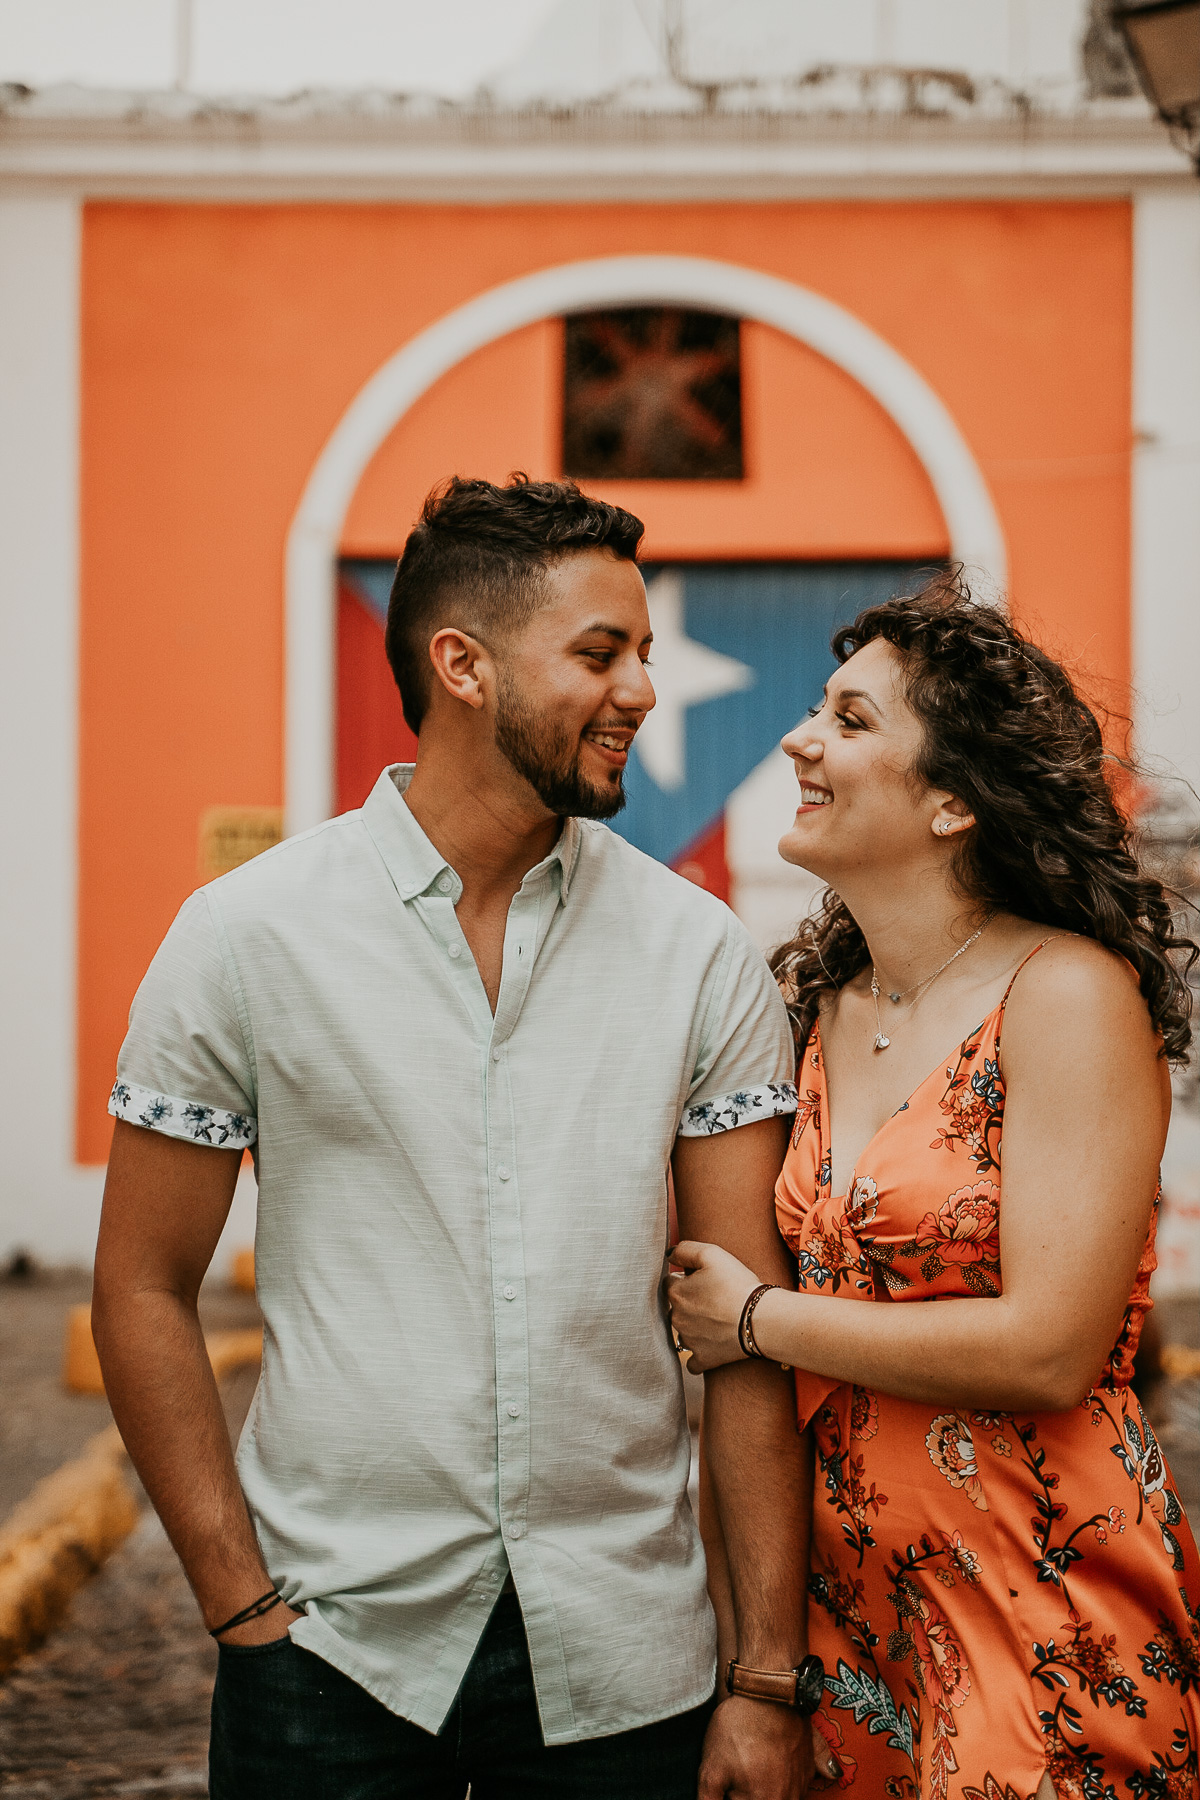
(882, 1041)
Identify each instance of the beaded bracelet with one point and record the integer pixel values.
(746, 1322)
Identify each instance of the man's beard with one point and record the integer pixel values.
(549, 759)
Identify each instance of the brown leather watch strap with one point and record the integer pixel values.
(778, 1685)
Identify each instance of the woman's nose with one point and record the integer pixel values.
(803, 742)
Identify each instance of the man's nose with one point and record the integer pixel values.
(634, 691)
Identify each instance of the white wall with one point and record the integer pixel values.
(1166, 481)
(1166, 593)
(769, 896)
(1030, 44)
(547, 47)
(46, 1203)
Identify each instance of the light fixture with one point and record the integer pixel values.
(1163, 38)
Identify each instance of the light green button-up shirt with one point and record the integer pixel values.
(461, 1231)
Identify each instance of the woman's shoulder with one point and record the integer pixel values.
(1066, 966)
(1071, 984)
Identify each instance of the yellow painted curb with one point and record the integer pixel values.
(227, 1350)
(81, 1366)
(71, 1522)
(230, 1350)
(1180, 1363)
(58, 1537)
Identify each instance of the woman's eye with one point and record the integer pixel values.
(849, 721)
(813, 711)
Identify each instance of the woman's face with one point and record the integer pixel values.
(859, 808)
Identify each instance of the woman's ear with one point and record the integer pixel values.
(951, 817)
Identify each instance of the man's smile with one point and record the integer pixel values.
(612, 742)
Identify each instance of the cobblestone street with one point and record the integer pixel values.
(117, 1701)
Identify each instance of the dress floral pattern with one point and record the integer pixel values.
(995, 1596)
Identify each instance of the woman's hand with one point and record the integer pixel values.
(706, 1303)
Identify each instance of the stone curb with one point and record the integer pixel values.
(56, 1539)
(71, 1522)
(1180, 1363)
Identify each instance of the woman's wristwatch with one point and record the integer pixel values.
(800, 1688)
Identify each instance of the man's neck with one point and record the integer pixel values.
(486, 829)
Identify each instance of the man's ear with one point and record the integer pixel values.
(462, 665)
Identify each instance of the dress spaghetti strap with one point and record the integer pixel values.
(1028, 957)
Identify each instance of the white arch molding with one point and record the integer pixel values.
(310, 569)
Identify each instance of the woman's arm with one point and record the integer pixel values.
(1087, 1104)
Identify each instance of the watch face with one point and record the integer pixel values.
(810, 1684)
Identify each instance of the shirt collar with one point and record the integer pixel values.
(416, 866)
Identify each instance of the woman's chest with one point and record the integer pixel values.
(919, 1212)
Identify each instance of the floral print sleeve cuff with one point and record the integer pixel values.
(743, 1107)
(186, 1119)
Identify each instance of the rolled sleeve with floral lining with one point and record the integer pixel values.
(746, 1061)
(746, 1106)
(188, 1119)
(186, 1068)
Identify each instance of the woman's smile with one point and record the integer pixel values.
(812, 797)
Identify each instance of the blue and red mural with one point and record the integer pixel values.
(741, 650)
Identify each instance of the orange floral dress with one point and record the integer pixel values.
(995, 1595)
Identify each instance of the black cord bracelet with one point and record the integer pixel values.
(255, 1610)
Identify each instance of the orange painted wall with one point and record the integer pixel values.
(827, 472)
(221, 344)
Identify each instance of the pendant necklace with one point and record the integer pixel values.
(882, 1041)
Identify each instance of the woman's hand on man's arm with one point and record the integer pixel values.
(1087, 1100)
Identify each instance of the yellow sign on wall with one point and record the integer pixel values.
(231, 835)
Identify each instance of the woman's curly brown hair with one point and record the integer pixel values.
(1005, 732)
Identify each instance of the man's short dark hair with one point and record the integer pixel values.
(476, 559)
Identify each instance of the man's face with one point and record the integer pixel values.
(572, 687)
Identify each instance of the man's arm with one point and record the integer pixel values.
(760, 1471)
(165, 1202)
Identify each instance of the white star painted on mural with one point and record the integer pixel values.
(684, 673)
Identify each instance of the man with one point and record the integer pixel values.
(463, 1030)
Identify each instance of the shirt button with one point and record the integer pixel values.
(503, 1171)
(445, 883)
(515, 1530)
(495, 1056)
(510, 1292)
(455, 951)
(513, 1410)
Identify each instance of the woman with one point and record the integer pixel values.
(1003, 1584)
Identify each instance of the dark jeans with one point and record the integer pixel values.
(286, 1725)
